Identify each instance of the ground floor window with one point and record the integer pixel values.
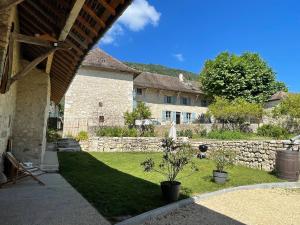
(188, 117)
(168, 115)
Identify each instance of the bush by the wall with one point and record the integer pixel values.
(185, 133)
(269, 130)
(227, 135)
(82, 136)
(52, 135)
(123, 132)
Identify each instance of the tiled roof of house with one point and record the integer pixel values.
(164, 82)
(278, 96)
(100, 59)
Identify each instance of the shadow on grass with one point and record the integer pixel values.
(116, 195)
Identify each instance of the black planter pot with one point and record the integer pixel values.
(220, 177)
(170, 190)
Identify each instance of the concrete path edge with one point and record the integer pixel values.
(176, 205)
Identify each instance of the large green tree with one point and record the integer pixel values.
(247, 76)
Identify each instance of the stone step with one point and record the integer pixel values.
(72, 149)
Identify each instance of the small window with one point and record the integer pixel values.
(139, 91)
(169, 99)
(185, 101)
(101, 119)
(100, 104)
(204, 103)
(188, 117)
(168, 115)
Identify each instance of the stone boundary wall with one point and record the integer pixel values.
(254, 154)
(124, 144)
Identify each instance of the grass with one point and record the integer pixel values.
(117, 186)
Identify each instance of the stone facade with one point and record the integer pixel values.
(24, 108)
(253, 154)
(97, 98)
(31, 114)
(155, 99)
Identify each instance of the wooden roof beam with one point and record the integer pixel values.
(107, 6)
(9, 3)
(94, 15)
(87, 25)
(66, 30)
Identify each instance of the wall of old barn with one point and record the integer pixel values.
(32, 110)
(7, 100)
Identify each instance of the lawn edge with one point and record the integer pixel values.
(176, 205)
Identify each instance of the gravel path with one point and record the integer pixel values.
(256, 207)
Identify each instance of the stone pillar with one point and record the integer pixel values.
(32, 110)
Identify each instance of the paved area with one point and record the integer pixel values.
(57, 203)
(252, 207)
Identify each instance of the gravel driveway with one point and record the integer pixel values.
(256, 207)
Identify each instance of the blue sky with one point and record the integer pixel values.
(184, 34)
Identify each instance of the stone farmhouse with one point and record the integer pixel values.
(105, 88)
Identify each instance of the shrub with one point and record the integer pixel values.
(82, 136)
(139, 113)
(269, 130)
(52, 135)
(185, 133)
(223, 158)
(174, 159)
(117, 132)
(227, 135)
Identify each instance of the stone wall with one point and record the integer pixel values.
(7, 100)
(254, 154)
(124, 144)
(32, 109)
(94, 93)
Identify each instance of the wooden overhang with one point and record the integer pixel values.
(80, 24)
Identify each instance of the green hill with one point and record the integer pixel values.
(154, 68)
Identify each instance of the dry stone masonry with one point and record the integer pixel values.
(253, 154)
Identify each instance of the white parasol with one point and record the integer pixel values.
(172, 132)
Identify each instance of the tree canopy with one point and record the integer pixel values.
(247, 76)
(139, 113)
(233, 114)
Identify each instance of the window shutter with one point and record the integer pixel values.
(174, 99)
(189, 101)
(193, 117)
(165, 99)
(163, 116)
(181, 100)
(174, 116)
(184, 118)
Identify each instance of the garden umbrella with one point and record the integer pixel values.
(172, 132)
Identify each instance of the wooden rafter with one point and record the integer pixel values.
(66, 30)
(94, 15)
(87, 25)
(9, 3)
(80, 42)
(107, 6)
(32, 65)
(82, 33)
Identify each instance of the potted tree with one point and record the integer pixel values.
(175, 158)
(223, 158)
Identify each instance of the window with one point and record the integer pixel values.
(139, 91)
(168, 115)
(169, 100)
(100, 104)
(185, 101)
(204, 103)
(101, 119)
(188, 117)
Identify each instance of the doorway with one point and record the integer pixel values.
(178, 117)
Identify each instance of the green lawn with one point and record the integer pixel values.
(117, 186)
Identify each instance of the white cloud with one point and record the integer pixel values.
(179, 57)
(112, 34)
(139, 14)
(135, 18)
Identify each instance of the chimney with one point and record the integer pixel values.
(181, 77)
